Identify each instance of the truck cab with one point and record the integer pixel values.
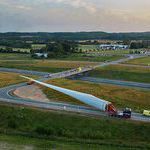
(127, 113)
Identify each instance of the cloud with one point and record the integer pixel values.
(14, 5)
(88, 5)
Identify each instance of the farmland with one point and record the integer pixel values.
(9, 79)
(38, 46)
(145, 61)
(96, 49)
(24, 61)
(45, 65)
(120, 72)
(119, 96)
(88, 47)
(16, 49)
(10, 56)
(90, 57)
(50, 129)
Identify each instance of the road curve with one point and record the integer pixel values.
(7, 97)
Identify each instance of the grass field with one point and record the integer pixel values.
(59, 130)
(10, 56)
(90, 57)
(119, 96)
(24, 61)
(22, 49)
(114, 52)
(8, 142)
(9, 79)
(145, 61)
(88, 47)
(120, 72)
(38, 46)
(45, 65)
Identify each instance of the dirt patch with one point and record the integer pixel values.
(32, 92)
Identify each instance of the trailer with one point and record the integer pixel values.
(88, 99)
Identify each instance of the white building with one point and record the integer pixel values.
(113, 46)
(45, 55)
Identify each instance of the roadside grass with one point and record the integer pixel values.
(145, 61)
(62, 130)
(9, 79)
(72, 57)
(120, 72)
(16, 142)
(90, 57)
(121, 97)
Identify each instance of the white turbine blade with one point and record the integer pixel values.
(83, 97)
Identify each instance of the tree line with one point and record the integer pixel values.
(57, 49)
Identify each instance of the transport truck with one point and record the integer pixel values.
(88, 99)
(125, 113)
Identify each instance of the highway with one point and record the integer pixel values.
(67, 107)
(27, 72)
(117, 82)
(7, 96)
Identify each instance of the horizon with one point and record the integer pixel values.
(77, 32)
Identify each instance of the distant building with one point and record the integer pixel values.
(40, 55)
(113, 46)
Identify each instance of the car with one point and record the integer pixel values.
(146, 112)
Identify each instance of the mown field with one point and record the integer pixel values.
(59, 130)
(45, 65)
(145, 61)
(121, 97)
(9, 79)
(96, 48)
(88, 47)
(23, 61)
(90, 57)
(10, 56)
(120, 72)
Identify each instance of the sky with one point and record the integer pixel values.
(74, 15)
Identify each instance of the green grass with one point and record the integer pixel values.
(45, 65)
(38, 46)
(11, 142)
(70, 131)
(22, 49)
(96, 48)
(120, 72)
(140, 61)
(90, 57)
(88, 47)
(114, 52)
(10, 56)
(121, 97)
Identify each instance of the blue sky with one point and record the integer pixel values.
(74, 15)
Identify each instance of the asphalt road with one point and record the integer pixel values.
(117, 82)
(7, 97)
(67, 107)
(27, 72)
